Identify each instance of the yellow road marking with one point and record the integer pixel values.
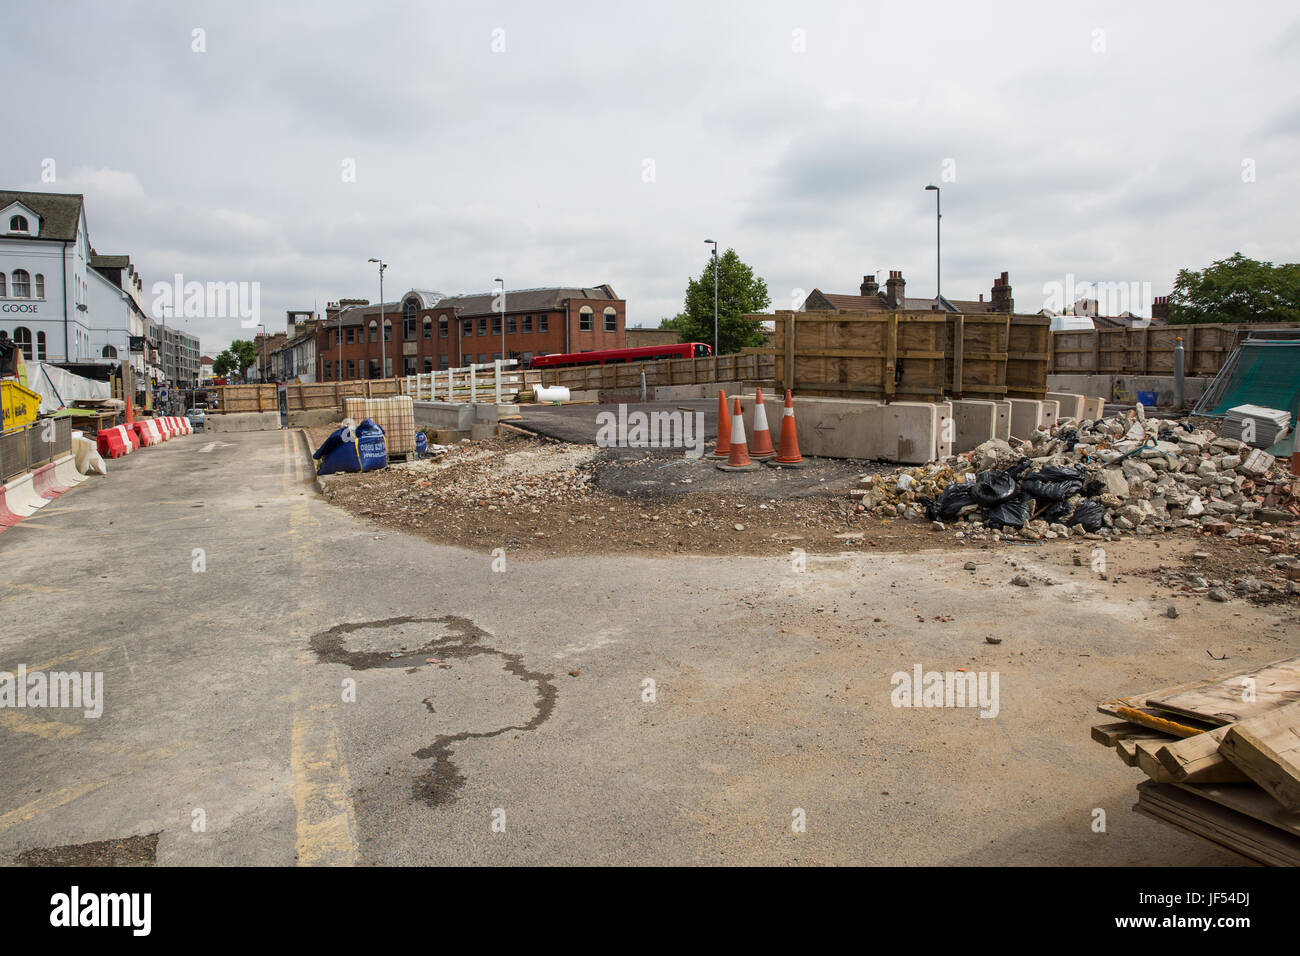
(321, 785)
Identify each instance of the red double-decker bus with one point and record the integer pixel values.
(648, 353)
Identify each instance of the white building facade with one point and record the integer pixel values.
(45, 265)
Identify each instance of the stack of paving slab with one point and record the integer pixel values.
(1269, 424)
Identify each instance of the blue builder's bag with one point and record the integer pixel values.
(362, 450)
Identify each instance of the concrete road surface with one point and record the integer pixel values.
(284, 684)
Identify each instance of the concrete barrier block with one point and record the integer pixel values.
(1071, 404)
(481, 430)
(450, 436)
(1002, 426)
(314, 417)
(974, 422)
(915, 432)
(1051, 414)
(945, 431)
(242, 422)
(1093, 408)
(1026, 416)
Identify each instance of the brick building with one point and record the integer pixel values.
(424, 330)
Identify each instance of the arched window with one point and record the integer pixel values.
(40, 286)
(388, 329)
(40, 346)
(611, 319)
(585, 323)
(443, 330)
(3, 281)
(374, 331)
(18, 224)
(22, 284)
(428, 328)
(109, 352)
(410, 318)
(23, 339)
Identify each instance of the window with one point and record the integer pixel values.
(410, 319)
(108, 352)
(388, 330)
(23, 339)
(388, 368)
(496, 325)
(482, 358)
(3, 280)
(40, 286)
(528, 324)
(444, 361)
(428, 327)
(22, 284)
(428, 363)
(467, 327)
(374, 331)
(442, 327)
(352, 369)
(527, 357)
(409, 365)
(611, 320)
(374, 368)
(351, 335)
(482, 326)
(543, 324)
(326, 369)
(40, 346)
(510, 325)
(585, 322)
(18, 224)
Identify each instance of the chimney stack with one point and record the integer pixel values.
(895, 287)
(1000, 298)
(1160, 308)
(869, 286)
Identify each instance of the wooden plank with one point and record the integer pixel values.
(1267, 749)
(1236, 832)
(1222, 702)
(1109, 734)
(891, 353)
(1248, 799)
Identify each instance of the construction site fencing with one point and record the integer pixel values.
(1150, 350)
(22, 449)
(753, 366)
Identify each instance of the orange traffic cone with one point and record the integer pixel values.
(738, 456)
(788, 456)
(763, 449)
(724, 428)
(130, 412)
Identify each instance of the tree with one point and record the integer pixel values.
(245, 353)
(675, 322)
(740, 292)
(1237, 289)
(224, 364)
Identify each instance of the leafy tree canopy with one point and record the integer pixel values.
(1237, 289)
(740, 292)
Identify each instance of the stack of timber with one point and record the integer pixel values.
(1223, 758)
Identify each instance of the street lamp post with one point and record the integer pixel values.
(938, 294)
(263, 328)
(383, 338)
(715, 294)
(503, 317)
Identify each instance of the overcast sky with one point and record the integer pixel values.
(606, 141)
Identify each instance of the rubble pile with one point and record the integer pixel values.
(1120, 474)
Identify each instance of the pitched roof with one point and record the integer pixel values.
(60, 212)
(525, 300)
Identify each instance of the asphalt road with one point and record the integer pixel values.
(319, 692)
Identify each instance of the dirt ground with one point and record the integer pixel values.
(540, 498)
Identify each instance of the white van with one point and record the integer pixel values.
(1072, 323)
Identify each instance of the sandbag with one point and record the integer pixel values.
(1087, 514)
(950, 501)
(1012, 512)
(352, 449)
(994, 487)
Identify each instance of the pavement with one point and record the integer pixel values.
(284, 683)
(578, 424)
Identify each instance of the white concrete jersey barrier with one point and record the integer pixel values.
(910, 433)
(66, 473)
(21, 497)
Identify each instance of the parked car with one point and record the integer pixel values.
(196, 417)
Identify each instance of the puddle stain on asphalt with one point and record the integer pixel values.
(439, 784)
